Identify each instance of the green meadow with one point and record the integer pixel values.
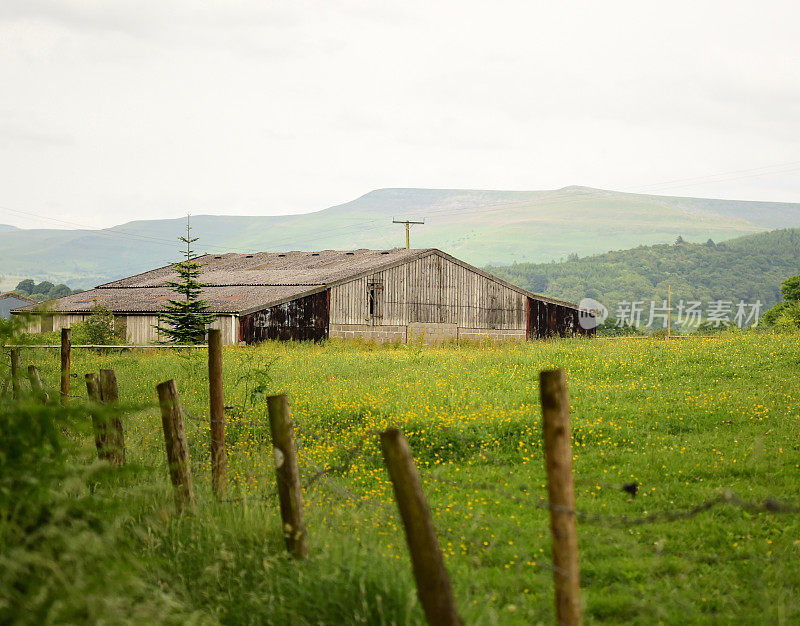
(685, 420)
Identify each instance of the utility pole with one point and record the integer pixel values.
(408, 229)
(669, 310)
(188, 249)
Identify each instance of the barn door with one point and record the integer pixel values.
(375, 301)
(531, 319)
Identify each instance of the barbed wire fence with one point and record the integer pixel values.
(315, 474)
(523, 496)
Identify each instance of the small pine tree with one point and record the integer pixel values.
(185, 320)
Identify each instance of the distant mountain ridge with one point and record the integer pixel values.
(478, 226)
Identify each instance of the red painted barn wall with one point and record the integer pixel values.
(304, 319)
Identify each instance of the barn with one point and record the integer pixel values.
(9, 301)
(385, 295)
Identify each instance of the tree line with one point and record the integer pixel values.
(43, 291)
(747, 268)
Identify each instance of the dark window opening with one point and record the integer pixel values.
(374, 297)
(47, 324)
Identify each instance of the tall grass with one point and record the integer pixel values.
(682, 419)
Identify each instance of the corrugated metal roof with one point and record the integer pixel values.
(237, 283)
(276, 268)
(243, 283)
(222, 299)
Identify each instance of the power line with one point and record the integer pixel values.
(93, 230)
(700, 178)
(550, 199)
(123, 234)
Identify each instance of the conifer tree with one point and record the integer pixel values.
(185, 320)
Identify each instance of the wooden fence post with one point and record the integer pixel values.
(36, 384)
(433, 583)
(66, 362)
(15, 373)
(219, 459)
(558, 463)
(98, 423)
(175, 441)
(290, 492)
(115, 437)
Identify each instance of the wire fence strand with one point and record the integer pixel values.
(523, 496)
(726, 497)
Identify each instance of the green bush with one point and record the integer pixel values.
(788, 319)
(786, 315)
(99, 329)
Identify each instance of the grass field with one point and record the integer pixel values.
(684, 419)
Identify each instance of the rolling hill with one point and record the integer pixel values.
(746, 268)
(481, 227)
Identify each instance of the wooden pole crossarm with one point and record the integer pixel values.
(408, 229)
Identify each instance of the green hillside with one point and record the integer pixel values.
(747, 268)
(480, 227)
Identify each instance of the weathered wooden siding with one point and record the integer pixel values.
(49, 323)
(430, 290)
(65, 321)
(302, 319)
(139, 329)
(229, 328)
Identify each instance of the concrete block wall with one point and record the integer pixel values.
(491, 333)
(366, 331)
(432, 333)
(429, 333)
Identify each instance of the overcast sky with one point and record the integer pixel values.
(115, 110)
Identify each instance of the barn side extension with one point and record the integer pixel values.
(547, 319)
(304, 319)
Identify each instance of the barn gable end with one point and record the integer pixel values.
(438, 297)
